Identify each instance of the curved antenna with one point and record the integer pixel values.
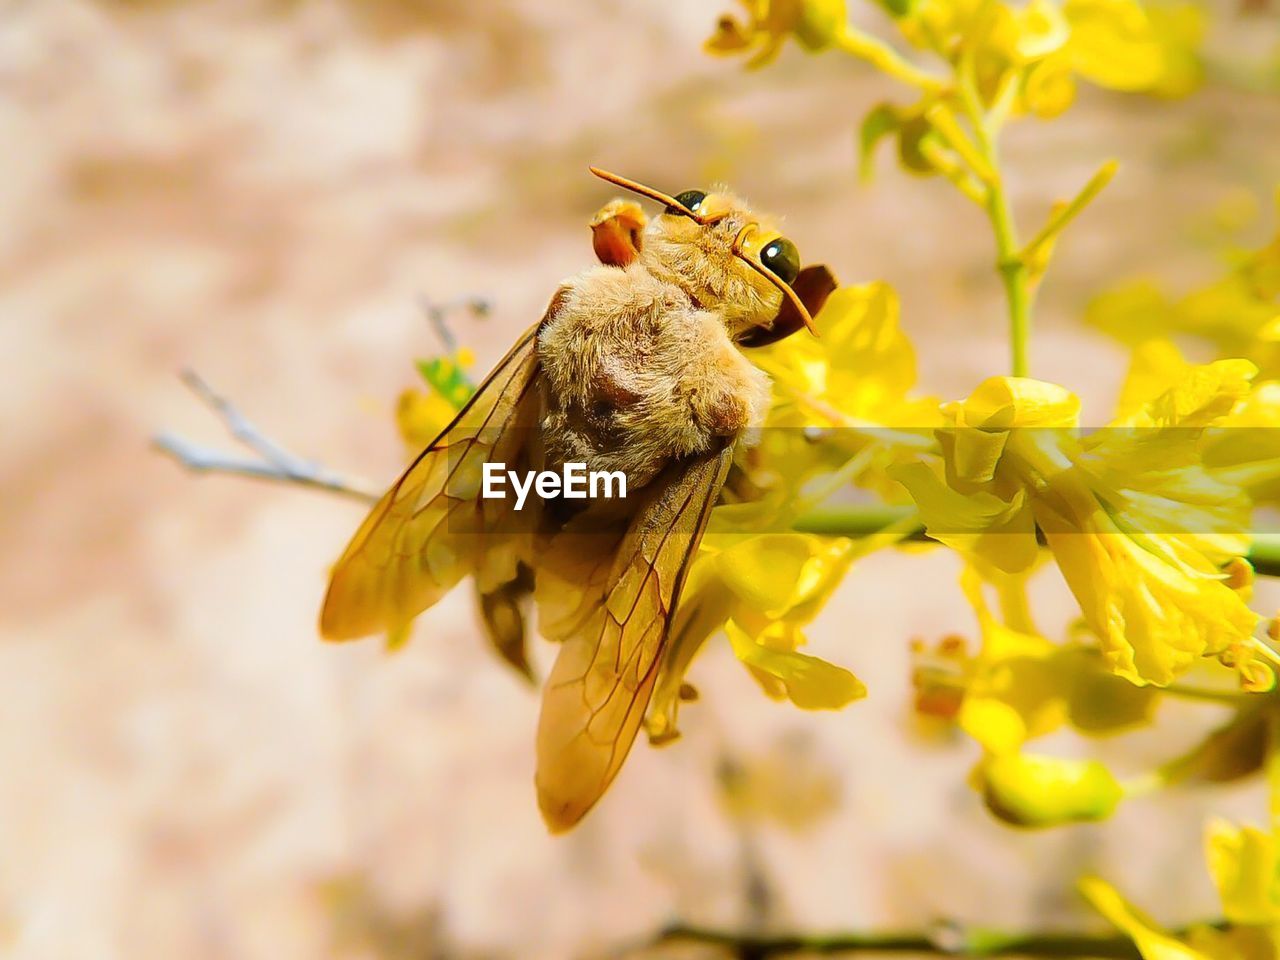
(773, 278)
(650, 192)
(669, 201)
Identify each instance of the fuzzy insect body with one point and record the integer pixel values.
(635, 367)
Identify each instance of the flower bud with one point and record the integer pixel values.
(1037, 791)
(819, 23)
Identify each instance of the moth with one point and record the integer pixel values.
(636, 366)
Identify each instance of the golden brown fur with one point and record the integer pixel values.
(700, 261)
(639, 362)
(633, 368)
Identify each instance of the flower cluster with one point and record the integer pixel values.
(1141, 528)
(1147, 520)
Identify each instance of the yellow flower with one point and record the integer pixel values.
(1116, 44)
(1138, 527)
(1045, 45)
(855, 383)
(1243, 447)
(1154, 366)
(863, 365)
(1049, 88)
(422, 415)
(1020, 686)
(1112, 44)
(814, 23)
(761, 589)
(1179, 29)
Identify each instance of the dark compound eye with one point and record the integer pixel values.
(782, 258)
(690, 198)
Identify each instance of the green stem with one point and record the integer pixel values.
(1016, 290)
(1009, 262)
(861, 521)
(1273, 767)
(856, 521)
(1265, 557)
(1230, 698)
(885, 59)
(1013, 269)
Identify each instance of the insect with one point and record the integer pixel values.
(636, 366)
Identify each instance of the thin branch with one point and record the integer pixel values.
(949, 941)
(954, 171)
(978, 159)
(238, 425)
(271, 461)
(437, 313)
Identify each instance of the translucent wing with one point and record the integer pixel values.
(431, 528)
(614, 629)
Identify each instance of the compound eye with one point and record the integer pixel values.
(782, 259)
(691, 199)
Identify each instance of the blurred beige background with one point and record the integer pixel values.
(265, 191)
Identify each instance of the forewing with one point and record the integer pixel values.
(614, 636)
(427, 531)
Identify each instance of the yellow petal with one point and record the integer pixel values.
(1155, 366)
(705, 605)
(1042, 29)
(810, 683)
(873, 363)
(1152, 619)
(1001, 403)
(1201, 396)
(776, 572)
(1000, 532)
(973, 455)
(994, 724)
(1133, 313)
(1152, 943)
(1179, 28)
(1049, 88)
(1245, 865)
(420, 417)
(1113, 45)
